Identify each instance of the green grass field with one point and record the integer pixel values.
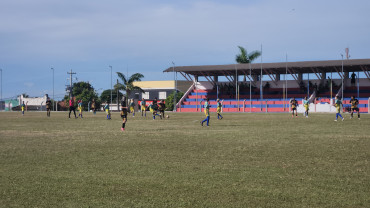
(244, 160)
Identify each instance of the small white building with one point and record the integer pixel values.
(37, 103)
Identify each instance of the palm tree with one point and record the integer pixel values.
(244, 57)
(127, 84)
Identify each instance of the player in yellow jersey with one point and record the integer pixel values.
(306, 105)
(294, 105)
(206, 112)
(23, 106)
(107, 110)
(80, 108)
(338, 106)
(354, 107)
(132, 107)
(143, 107)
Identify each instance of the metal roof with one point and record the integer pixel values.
(350, 65)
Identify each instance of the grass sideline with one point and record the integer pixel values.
(244, 160)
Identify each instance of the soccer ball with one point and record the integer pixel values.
(167, 116)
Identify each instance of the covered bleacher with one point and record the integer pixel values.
(273, 94)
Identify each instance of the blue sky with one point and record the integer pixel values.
(146, 36)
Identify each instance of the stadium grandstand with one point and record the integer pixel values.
(350, 77)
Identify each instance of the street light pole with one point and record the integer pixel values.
(53, 87)
(111, 99)
(286, 81)
(250, 87)
(174, 78)
(1, 96)
(342, 78)
(261, 89)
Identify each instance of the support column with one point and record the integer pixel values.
(323, 75)
(236, 78)
(278, 77)
(215, 78)
(346, 74)
(300, 77)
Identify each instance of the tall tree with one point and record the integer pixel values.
(169, 100)
(105, 96)
(128, 83)
(84, 91)
(244, 57)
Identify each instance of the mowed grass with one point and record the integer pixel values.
(244, 160)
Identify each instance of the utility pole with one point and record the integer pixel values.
(70, 81)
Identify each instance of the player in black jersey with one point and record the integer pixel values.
(123, 113)
(155, 108)
(48, 107)
(354, 107)
(161, 108)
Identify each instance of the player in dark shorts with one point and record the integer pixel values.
(219, 108)
(48, 107)
(161, 108)
(354, 107)
(154, 108)
(93, 107)
(294, 104)
(155, 102)
(123, 113)
(23, 106)
(143, 108)
(71, 108)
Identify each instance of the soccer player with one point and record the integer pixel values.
(206, 112)
(23, 106)
(80, 108)
(71, 108)
(161, 108)
(48, 107)
(338, 105)
(143, 107)
(151, 107)
(93, 107)
(294, 104)
(154, 108)
(219, 106)
(132, 107)
(107, 110)
(306, 105)
(123, 113)
(155, 103)
(354, 107)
